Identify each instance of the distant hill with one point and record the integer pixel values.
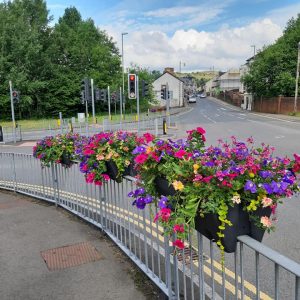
(206, 75)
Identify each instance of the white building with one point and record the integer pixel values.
(175, 87)
(231, 80)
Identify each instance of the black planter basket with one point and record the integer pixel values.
(130, 171)
(208, 226)
(163, 187)
(256, 232)
(65, 159)
(112, 171)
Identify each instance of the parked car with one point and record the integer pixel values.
(192, 99)
(203, 95)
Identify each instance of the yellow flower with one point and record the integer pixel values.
(148, 150)
(178, 185)
(196, 167)
(251, 175)
(127, 162)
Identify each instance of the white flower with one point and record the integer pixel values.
(236, 199)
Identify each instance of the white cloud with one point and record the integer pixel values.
(148, 45)
(223, 49)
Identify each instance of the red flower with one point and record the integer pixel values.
(97, 182)
(141, 158)
(180, 153)
(178, 228)
(200, 130)
(179, 244)
(149, 137)
(88, 152)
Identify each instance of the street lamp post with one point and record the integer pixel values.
(297, 80)
(180, 92)
(123, 33)
(253, 46)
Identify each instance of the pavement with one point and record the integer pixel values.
(98, 270)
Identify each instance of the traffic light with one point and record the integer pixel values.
(82, 97)
(85, 90)
(132, 86)
(145, 88)
(15, 96)
(103, 95)
(163, 92)
(97, 94)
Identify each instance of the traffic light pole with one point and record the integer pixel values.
(168, 105)
(93, 101)
(138, 101)
(108, 97)
(121, 104)
(12, 111)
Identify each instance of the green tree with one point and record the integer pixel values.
(273, 70)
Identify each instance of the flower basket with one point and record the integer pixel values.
(163, 187)
(112, 170)
(66, 160)
(130, 171)
(208, 226)
(257, 233)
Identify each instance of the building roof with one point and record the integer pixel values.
(169, 74)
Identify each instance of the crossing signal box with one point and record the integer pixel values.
(145, 88)
(163, 92)
(132, 88)
(85, 90)
(15, 96)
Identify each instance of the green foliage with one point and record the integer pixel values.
(46, 64)
(273, 70)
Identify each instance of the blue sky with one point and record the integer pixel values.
(203, 34)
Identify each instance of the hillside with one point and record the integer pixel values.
(206, 75)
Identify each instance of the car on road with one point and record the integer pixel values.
(203, 95)
(192, 99)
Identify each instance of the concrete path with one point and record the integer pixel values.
(28, 227)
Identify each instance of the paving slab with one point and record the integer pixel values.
(30, 228)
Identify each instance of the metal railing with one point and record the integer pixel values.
(254, 271)
(150, 123)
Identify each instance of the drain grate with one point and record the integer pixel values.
(70, 256)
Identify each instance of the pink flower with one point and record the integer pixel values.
(141, 158)
(266, 201)
(164, 214)
(200, 130)
(266, 221)
(88, 152)
(105, 177)
(178, 228)
(180, 153)
(90, 177)
(148, 137)
(84, 167)
(98, 182)
(179, 244)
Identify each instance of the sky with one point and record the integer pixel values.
(196, 35)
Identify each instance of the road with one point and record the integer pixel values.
(221, 120)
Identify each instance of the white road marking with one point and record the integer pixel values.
(223, 108)
(279, 136)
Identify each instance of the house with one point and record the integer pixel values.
(213, 85)
(248, 97)
(173, 84)
(230, 80)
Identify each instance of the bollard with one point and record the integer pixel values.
(164, 126)
(1, 134)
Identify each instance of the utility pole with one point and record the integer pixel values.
(12, 111)
(123, 88)
(297, 79)
(253, 46)
(168, 105)
(93, 101)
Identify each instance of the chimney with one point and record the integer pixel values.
(169, 70)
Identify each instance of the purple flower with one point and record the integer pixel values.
(131, 194)
(250, 186)
(139, 149)
(139, 203)
(163, 202)
(265, 174)
(159, 142)
(268, 188)
(148, 199)
(196, 153)
(139, 191)
(209, 164)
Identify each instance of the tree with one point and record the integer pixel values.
(272, 73)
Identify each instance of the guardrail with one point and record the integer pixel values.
(254, 271)
(150, 123)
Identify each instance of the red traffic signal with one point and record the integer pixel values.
(132, 89)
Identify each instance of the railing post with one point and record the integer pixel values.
(14, 172)
(297, 288)
(55, 184)
(168, 267)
